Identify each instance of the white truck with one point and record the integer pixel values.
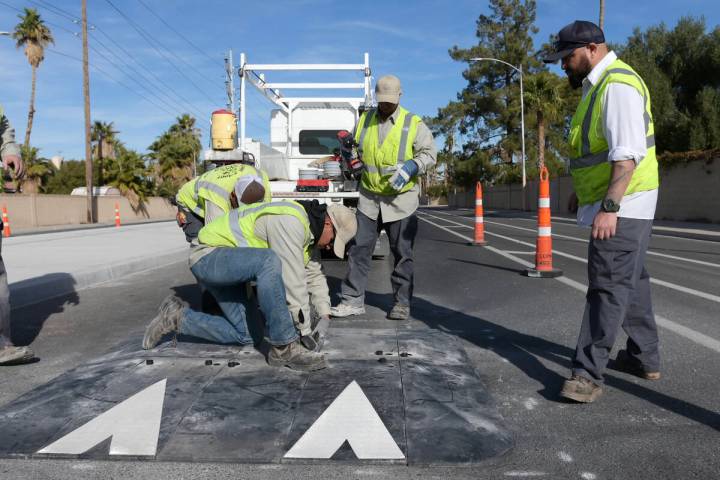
(303, 129)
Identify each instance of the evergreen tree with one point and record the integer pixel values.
(681, 68)
(485, 118)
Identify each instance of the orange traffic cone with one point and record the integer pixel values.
(543, 247)
(6, 222)
(117, 215)
(479, 221)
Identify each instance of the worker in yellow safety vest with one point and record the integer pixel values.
(208, 196)
(294, 233)
(396, 148)
(615, 178)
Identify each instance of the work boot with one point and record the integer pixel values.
(344, 309)
(399, 312)
(580, 389)
(296, 357)
(629, 364)
(12, 355)
(167, 320)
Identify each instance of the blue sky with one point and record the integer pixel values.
(408, 39)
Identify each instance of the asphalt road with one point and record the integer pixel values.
(519, 333)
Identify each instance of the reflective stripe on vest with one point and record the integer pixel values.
(382, 160)
(237, 228)
(590, 168)
(216, 185)
(187, 198)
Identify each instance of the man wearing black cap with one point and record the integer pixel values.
(615, 177)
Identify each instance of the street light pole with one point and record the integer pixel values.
(522, 113)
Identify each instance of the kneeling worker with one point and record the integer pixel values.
(205, 198)
(277, 229)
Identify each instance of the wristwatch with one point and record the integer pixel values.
(609, 205)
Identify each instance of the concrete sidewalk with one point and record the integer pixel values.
(46, 265)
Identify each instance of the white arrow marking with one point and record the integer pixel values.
(349, 417)
(134, 426)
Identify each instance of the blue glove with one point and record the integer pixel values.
(402, 176)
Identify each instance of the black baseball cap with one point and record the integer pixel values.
(576, 35)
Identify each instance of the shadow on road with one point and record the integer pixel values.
(523, 351)
(27, 320)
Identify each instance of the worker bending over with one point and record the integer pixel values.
(246, 244)
(207, 197)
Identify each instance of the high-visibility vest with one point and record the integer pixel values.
(381, 161)
(187, 198)
(215, 186)
(589, 164)
(237, 228)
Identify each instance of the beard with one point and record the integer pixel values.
(576, 76)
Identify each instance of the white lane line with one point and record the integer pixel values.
(570, 222)
(683, 331)
(584, 240)
(662, 283)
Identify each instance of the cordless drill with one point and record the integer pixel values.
(350, 153)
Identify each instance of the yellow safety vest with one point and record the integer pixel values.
(589, 164)
(215, 186)
(186, 197)
(381, 161)
(237, 228)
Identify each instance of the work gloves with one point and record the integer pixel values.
(402, 176)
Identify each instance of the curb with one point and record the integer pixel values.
(51, 285)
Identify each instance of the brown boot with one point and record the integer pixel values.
(12, 355)
(580, 389)
(296, 357)
(629, 364)
(167, 320)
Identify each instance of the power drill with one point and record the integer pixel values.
(350, 153)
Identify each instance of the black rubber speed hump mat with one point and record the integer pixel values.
(389, 396)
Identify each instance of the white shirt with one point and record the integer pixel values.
(623, 125)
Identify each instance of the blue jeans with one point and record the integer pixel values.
(224, 272)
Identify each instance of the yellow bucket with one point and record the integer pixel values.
(224, 130)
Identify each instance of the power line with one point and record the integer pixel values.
(134, 79)
(148, 83)
(111, 77)
(150, 39)
(54, 25)
(162, 88)
(176, 32)
(144, 68)
(56, 10)
(192, 109)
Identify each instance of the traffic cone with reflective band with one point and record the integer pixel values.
(543, 249)
(479, 221)
(6, 222)
(117, 215)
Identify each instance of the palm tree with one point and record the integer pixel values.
(102, 134)
(36, 169)
(127, 172)
(35, 36)
(544, 95)
(174, 153)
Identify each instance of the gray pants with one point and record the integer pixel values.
(4, 302)
(401, 235)
(618, 295)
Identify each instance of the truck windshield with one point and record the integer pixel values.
(318, 142)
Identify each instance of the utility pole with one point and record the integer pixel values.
(602, 14)
(229, 83)
(86, 95)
